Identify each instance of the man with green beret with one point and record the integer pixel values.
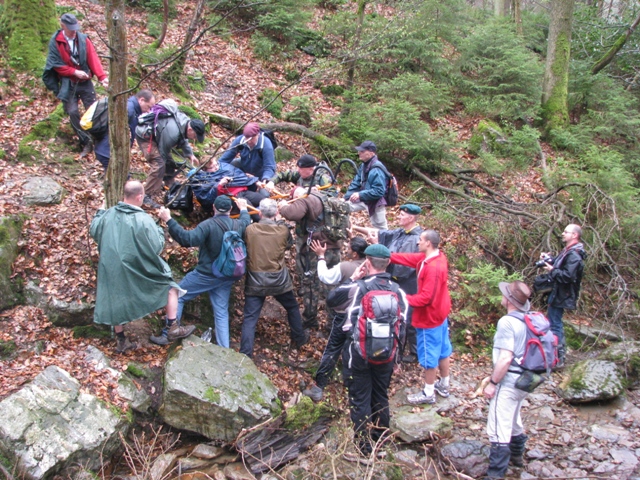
(368, 383)
(402, 240)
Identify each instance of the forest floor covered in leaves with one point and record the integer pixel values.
(58, 254)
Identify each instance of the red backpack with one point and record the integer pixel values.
(541, 347)
(376, 334)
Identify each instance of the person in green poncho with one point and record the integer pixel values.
(133, 280)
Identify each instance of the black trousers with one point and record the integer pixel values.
(81, 91)
(332, 351)
(252, 309)
(368, 387)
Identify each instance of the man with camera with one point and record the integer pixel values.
(565, 273)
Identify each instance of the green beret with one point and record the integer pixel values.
(410, 208)
(378, 251)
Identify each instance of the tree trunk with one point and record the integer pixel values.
(175, 71)
(165, 23)
(501, 7)
(555, 87)
(351, 72)
(119, 136)
(617, 46)
(517, 16)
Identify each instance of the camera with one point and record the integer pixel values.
(545, 260)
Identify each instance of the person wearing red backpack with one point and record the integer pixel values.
(431, 307)
(504, 424)
(368, 379)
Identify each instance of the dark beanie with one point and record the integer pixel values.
(306, 161)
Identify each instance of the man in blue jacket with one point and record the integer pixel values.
(208, 237)
(256, 154)
(137, 104)
(367, 189)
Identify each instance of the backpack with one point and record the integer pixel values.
(391, 190)
(95, 121)
(148, 122)
(376, 334)
(271, 136)
(182, 201)
(334, 220)
(232, 260)
(541, 345)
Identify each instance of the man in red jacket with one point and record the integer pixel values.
(71, 64)
(431, 307)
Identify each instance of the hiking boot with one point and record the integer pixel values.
(420, 398)
(304, 341)
(441, 389)
(176, 331)
(150, 202)
(410, 358)
(124, 345)
(315, 393)
(160, 339)
(86, 149)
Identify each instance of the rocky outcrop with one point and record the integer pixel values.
(590, 381)
(627, 356)
(59, 313)
(50, 425)
(215, 391)
(9, 235)
(42, 191)
(470, 457)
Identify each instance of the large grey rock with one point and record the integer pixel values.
(60, 313)
(50, 425)
(595, 333)
(468, 456)
(42, 191)
(416, 424)
(591, 380)
(9, 235)
(627, 356)
(215, 391)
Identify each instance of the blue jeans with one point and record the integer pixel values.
(252, 309)
(219, 291)
(554, 314)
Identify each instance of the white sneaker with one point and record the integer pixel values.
(420, 398)
(441, 389)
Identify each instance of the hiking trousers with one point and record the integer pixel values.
(332, 351)
(161, 173)
(80, 92)
(504, 419)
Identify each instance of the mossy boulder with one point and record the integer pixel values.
(591, 381)
(215, 391)
(486, 137)
(10, 228)
(627, 356)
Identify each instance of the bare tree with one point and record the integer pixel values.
(175, 71)
(118, 121)
(555, 87)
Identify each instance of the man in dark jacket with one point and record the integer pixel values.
(71, 64)
(368, 383)
(156, 140)
(137, 104)
(402, 240)
(256, 152)
(305, 210)
(368, 187)
(133, 279)
(303, 176)
(208, 237)
(566, 273)
(267, 275)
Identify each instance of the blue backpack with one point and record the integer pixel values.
(232, 261)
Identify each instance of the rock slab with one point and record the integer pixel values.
(470, 457)
(415, 424)
(42, 191)
(590, 381)
(215, 391)
(50, 425)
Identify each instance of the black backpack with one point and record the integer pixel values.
(271, 136)
(95, 120)
(391, 191)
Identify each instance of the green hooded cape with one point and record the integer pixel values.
(133, 280)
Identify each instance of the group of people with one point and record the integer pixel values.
(134, 280)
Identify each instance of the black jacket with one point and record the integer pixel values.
(567, 276)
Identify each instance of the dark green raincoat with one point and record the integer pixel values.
(133, 280)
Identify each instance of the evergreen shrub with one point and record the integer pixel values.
(432, 99)
(499, 78)
(267, 97)
(264, 48)
(302, 111)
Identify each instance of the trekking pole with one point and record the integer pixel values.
(251, 208)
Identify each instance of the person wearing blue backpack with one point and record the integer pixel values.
(504, 424)
(209, 237)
